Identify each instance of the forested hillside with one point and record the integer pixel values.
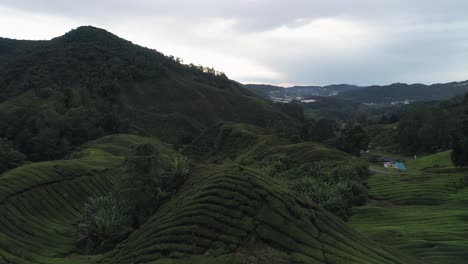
(58, 94)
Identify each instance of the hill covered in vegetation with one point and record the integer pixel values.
(58, 94)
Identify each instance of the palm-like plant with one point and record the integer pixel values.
(103, 220)
(179, 170)
(179, 166)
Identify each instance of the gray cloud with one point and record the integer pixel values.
(281, 42)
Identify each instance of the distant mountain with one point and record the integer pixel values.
(400, 92)
(285, 94)
(88, 83)
(386, 94)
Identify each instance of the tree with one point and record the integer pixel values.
(318, 131)
(353, 139)
(142, 188)
(425, 129)
(151, 179)
(324, 130)
(460, 143)
(10, 157)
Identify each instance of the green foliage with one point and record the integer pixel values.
(102, 225)
(143, 187)
(425, 129)
(272, 166)
(353, 139)
(382, 136)
(151, 179)
(329, 196)
(178, 170)
(336, 186)
(10, 158)
(318, 131)
(460, 143)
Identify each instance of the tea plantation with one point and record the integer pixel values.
(40, 203)
(224, 213)
(223, 209)
(423, 212)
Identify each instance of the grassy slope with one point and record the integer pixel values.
(41, 202)
(438, 160)
(420, 212)
(221, 209)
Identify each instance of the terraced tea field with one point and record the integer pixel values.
(423, 212)
(40, 203)
(223, 214)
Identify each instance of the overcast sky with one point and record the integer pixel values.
(290, 42)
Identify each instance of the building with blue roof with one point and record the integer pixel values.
(400, 165)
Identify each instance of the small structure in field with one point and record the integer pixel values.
(394, 164)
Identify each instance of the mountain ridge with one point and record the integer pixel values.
(365, 94)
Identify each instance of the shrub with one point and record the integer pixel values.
(272, 166)
(353, 139)
(336, 186)
(330, 196)
(10, 158)
(102, 225)
(178, 171)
